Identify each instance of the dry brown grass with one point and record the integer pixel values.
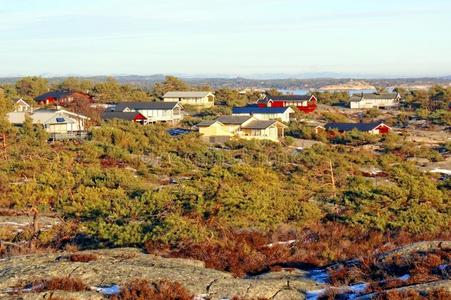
(143, 290)
(82, 257)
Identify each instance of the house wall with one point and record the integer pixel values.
(207, 101)
(380, 130)
(19, 107)
(162, 115)
(270, 133)
(305, 106)
(64, 127)
(373, 103)
(215, 130)
(284, 117)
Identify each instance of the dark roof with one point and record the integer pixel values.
(206, 123)
(351, 126)
(160, 105)
(235, 120)
(128, 116)
(58, 94)
(259, 110)
(259, 124)
(373, 96)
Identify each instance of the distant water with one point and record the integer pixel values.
(305, 92)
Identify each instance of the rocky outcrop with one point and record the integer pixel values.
(426, 246)
(422, 288)
(119, 266)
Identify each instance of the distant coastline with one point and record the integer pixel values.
(348, 86)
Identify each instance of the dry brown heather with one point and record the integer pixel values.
(163, 290)
(440, 294)
(57, 283)
(246, 252)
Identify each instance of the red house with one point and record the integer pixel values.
(61, 97)
(304, 103)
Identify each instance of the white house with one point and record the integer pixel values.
(153, 111)
(375, 100)
(206, 99)
(21, 106)
(265, 113)
(56, 122)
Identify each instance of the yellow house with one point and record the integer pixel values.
(206, 99)
(245, 127)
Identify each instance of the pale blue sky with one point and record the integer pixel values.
(236, 37)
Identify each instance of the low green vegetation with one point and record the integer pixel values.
(131, 185)
(113, 186)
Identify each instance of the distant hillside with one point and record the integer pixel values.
(286, 83)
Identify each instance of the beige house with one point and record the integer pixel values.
(375, 100)
(244, 127)
(206, 99)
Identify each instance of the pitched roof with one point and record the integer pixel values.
(373, 96)
(289, 98)
(45, 116)
(128, 116)
(259, 110)
(351, 126)
(259, 124)
(206, 123)
(58, 94)
(188, 94)
(160, 105)
(61, 111)
(21, 101)
(234, 120)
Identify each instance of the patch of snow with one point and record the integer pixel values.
(319, 275)
(313, 295)
(404, 277)
(441, 171)
(14, 224)
(351, 292)
(107, 290)
(29, 289)
(357, 289)
(201, 297)
(290, 242)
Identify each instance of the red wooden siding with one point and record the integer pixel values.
(139, 117)
(311, 106)
(383, 129)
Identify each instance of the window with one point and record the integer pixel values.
(60, 120)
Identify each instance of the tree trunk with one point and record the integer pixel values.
(332, 177)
